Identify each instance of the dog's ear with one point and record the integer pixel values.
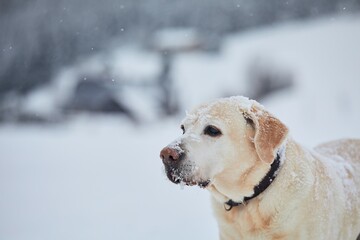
(270, 133)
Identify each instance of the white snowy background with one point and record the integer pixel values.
(100, 177)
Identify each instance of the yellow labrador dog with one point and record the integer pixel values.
(263, 184)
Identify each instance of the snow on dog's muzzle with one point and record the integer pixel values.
(172, 156)
(178, 169)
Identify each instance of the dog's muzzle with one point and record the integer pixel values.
(172, 157)
(177, 169)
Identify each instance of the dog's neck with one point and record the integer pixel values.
(263, 185)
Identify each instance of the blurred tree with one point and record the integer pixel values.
(37, 37)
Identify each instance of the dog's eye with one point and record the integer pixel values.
(183, 129)
(212, 131)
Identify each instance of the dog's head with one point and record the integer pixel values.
(228, 144)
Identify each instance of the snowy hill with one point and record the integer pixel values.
(102, 178)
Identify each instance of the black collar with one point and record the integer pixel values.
(261, 187)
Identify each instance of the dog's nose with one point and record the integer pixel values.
(170, 155)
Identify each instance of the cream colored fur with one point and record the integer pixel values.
(316, 194)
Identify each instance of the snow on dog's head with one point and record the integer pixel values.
(222, 139)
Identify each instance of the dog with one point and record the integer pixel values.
(263, 184)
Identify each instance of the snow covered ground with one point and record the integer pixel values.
(95, 179)
(102, 178)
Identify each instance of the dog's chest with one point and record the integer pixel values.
(248, 222)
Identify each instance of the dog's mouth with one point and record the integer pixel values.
(182, 177)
